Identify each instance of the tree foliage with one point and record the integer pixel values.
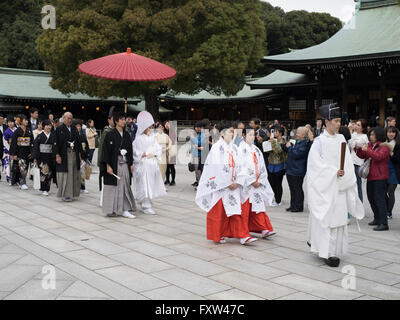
(295, 30)
(19, 28)
(212, 44)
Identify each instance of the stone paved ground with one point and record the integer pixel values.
(167, 256)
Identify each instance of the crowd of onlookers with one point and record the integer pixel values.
(286, 153)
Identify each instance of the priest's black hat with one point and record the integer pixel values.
(330, 111)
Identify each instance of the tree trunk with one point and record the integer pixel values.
(150, 97)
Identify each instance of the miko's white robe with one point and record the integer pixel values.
(330, 198)
(252, 170)
(147, 180)
(220, 171)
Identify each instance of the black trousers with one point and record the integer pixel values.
(376, 191)
(170, 171)
(390, 198)
(275, 180)
(296, 192)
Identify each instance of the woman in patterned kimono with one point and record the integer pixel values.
(7, 138)
(256, 191)
(43, 156)
(21, 148)
(218, 192)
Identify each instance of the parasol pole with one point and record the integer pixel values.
(128, 52)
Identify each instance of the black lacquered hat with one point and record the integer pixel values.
(330, 111)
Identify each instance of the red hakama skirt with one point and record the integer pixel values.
(219, 225)
(257, 222)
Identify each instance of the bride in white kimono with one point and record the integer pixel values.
(147, 181)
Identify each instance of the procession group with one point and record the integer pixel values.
(238, 179)
(242, 176)
(61, 152)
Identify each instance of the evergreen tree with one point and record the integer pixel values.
(211, 44)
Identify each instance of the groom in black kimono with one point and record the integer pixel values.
(117, 168)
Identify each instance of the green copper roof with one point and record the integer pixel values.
(279, 79)
(368, 4)
(33, 84)
(371, 33)
(245, 94)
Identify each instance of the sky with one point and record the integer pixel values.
(342, 9)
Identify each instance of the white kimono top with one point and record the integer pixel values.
(253, 170)
(220, 171)
(147, 180)
(330, 198)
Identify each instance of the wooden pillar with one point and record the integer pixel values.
(265, 112)
(364, 103)
(310, 107)
(345, 106)
(396, 102)
(382, 102)
(285, 107)
(319, 99)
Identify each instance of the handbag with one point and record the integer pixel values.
(363, 171)
(191, 166)
(36, 178)
(88, 171)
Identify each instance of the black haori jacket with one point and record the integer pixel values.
(1, 145)
(62, 136)
(43, 149)
(21, 143)
(112, 145)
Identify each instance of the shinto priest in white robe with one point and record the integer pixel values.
(148, 183)
(330, 198)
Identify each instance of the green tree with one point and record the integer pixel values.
(19, 28)
(294, 30)
(212, 44)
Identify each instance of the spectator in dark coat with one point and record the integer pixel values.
(131, 127)
(393, 138)
(296, 168)
(319, 127)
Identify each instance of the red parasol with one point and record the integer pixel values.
(127, 66)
